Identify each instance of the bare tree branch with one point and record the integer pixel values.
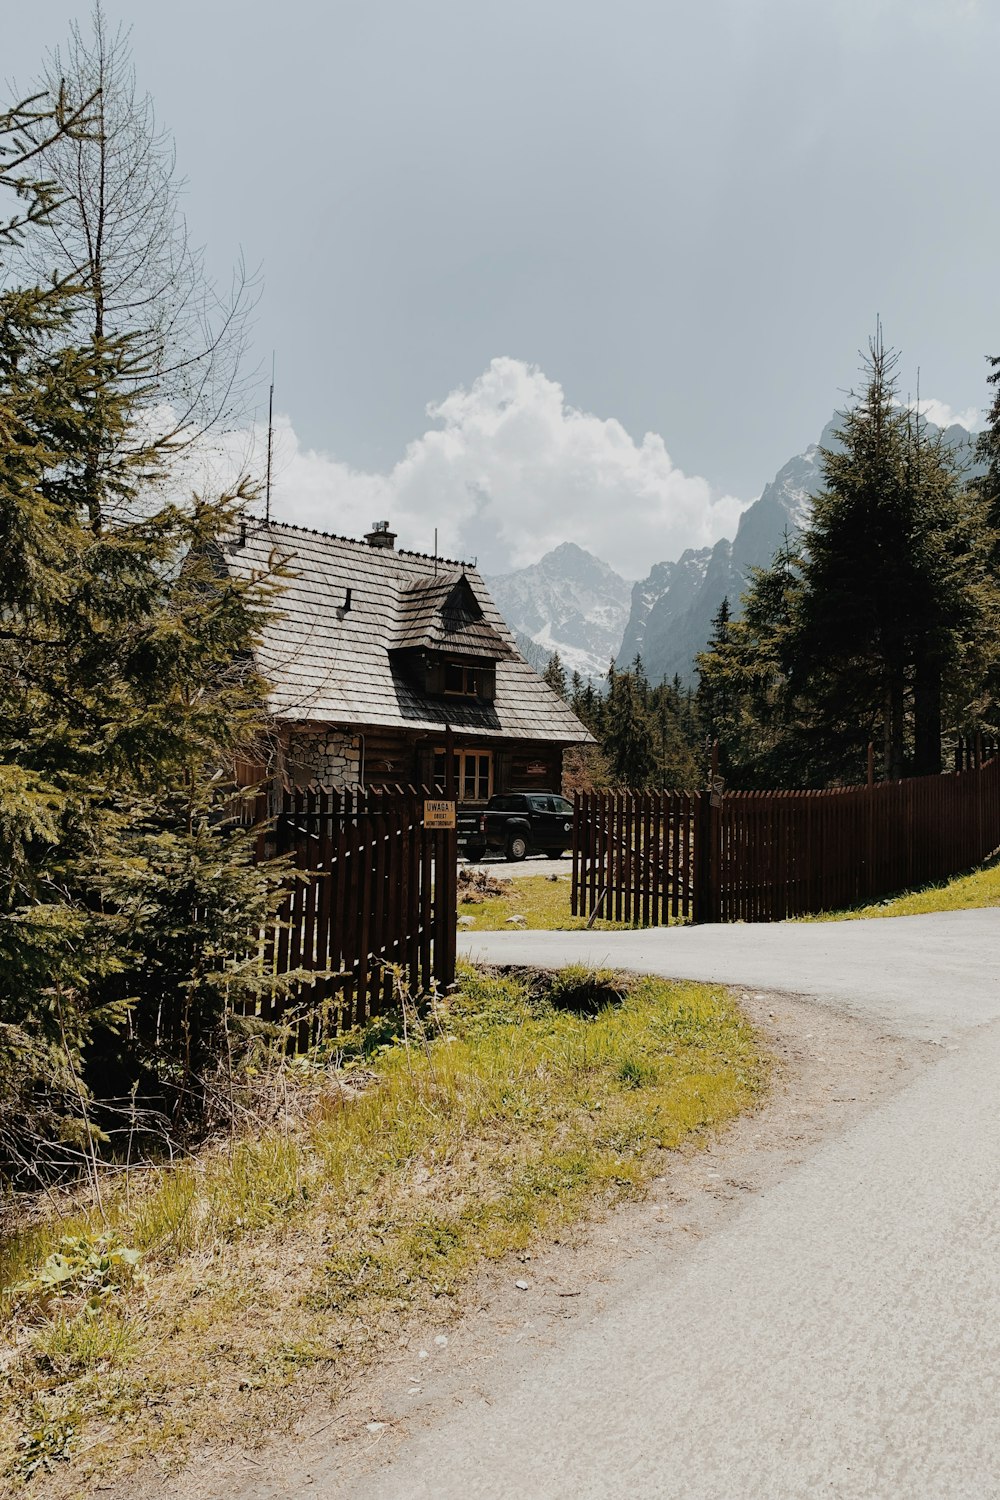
(115, 228)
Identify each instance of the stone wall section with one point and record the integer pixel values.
(319, 757)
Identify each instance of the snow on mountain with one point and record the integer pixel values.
(570, 602)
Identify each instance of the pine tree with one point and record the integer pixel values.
(555, 675)
(891, 584)
(127, 687)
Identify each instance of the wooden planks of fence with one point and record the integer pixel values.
(785, 854)
(381, 892)
(633, 856)
(650, 858)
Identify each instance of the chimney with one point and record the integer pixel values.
(381, 536)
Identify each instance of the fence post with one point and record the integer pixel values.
(706, 855)
(576, 853)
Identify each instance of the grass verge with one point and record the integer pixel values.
(980, 888)
(540, 900)
(273, 1267)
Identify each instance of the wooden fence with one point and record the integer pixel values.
(382, 892)
(777, 855)
(765, 856)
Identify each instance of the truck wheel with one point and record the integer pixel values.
(554, 853)
(517, 846)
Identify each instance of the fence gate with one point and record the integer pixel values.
(382, 892)
(634, 856)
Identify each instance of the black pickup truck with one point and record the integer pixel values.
(518, 824)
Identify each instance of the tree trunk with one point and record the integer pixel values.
(927, 716)
(895, 725)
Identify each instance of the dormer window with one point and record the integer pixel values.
(444, 645)
(461, 681)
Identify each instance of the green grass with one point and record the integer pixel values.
(981, 888)
(541, 901)
(275, 1265)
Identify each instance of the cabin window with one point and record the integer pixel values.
(461, 682)
(473, 770)
(455, 679)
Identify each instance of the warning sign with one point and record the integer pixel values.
(439, 814)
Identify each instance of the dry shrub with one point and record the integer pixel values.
(479, 885)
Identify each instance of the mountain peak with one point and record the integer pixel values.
(569, 549)
(569, 601)
(572, 602)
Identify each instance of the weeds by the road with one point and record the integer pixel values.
(273, 1266)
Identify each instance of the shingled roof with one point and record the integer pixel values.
(443, 614)
(331, 665)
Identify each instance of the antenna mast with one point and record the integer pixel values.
(270, 446)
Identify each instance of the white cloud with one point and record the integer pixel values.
(942, 415)
(508, 471)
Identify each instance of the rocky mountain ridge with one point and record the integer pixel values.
(570, 602)
(672, 609)
(573, 603)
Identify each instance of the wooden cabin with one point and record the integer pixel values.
(375, 654)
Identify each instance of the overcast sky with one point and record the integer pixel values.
(603, 264)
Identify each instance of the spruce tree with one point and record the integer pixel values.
(674, 748)
(628, 739)
(555, 675)
(875, 629)
(128, 895)
(716, 685)
(988, 448)
(985, 714)
(744, 700)
(892, 594)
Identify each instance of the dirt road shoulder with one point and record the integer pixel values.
(831, 1069)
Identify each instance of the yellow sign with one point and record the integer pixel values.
(439, 814)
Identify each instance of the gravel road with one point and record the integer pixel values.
(508, 869)
(839, 1335)
(810, 1307)
(926, 977)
